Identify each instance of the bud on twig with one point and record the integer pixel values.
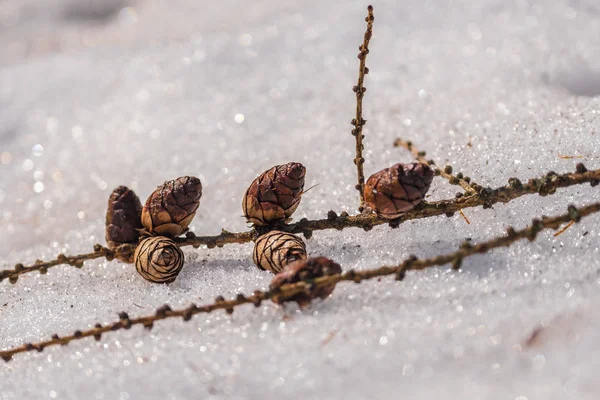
(305, 270)
(172, 206)
(276, 249)
(123, 217)
(158, 259)
(398, 189)
(275, 194)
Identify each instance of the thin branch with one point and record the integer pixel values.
(289, 290)
(43, 266)
(458, 179)
(486, 197)
(358, 122)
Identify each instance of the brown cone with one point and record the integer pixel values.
(123, 217)
(158, 259)
(276, 249)
(274, 195)
(305, 270)
(172, 206)
(398, 189)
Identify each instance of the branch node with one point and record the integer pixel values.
(394, 223)
(457, 262)
(574, 213)
(466, 245)
(125, 321)
(580, 168)
(515, 183)
(331, 215)
(162, 311)
(98, 335)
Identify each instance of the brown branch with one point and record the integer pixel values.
(289, 290)
(458, 179)
(486, 197)
(43, 266)
(573, 214)
(359, 122)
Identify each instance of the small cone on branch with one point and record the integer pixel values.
(305, 270)
(123, 217)
(397, 189)
(276, 249)
(274, 195)
(172, 206)
(158, 259)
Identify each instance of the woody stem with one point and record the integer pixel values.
(288, 291)
(486, 197)
(358, 122)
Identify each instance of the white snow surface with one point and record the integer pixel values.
(141, 92)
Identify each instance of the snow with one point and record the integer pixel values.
(92, 97)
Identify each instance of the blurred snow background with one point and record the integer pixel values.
(94, 94)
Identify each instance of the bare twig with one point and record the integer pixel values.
(359, 122)
(458, 179)
(486, 197)
(289, 290)
(43, 266)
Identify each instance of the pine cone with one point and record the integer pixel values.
(275, 194)
(276, 249)
(398, 189)
(172, 206)
(304, 270)
(158, 259)
(123, 217)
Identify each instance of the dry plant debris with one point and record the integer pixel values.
(390, 196)
(288, 287)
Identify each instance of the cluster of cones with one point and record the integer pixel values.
(269, 202)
